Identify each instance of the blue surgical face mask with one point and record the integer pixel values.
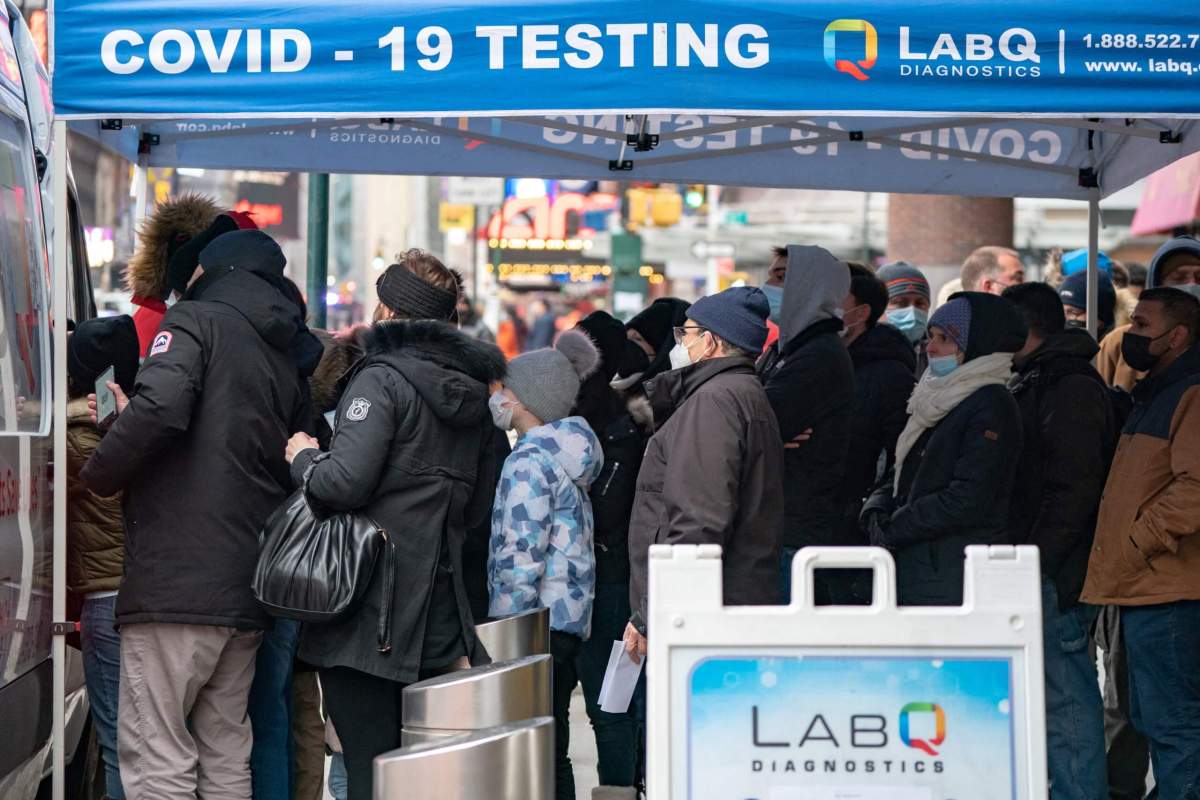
(775, 299)
(1191, 288)
(911, 321)
(941, 366)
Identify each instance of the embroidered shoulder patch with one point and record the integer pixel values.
(161, 344)
(991, 435)
(357, 410)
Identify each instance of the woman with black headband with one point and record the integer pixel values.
(412, 448)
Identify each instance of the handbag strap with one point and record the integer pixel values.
(383, 633)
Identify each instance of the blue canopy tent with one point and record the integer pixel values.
(1072, 99)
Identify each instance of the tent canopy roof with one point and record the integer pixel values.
(1022, 97)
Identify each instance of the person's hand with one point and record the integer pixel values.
(635, 643)
(876, 525)
(299, 442)
(801, 437)
(118, 393)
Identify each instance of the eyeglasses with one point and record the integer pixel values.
(684, 330)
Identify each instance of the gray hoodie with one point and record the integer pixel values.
(815, 286)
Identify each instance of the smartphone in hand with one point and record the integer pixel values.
(106, 399)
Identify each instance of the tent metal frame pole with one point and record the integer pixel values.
(318, 247)
(58, 385)
(1093, 274)
(139, 192)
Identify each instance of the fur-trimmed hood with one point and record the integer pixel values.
(451, 371)
(342, 352)
(173, 222)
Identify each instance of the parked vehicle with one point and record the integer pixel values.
(26, 410)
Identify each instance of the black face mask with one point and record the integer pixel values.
(1135, 349)
(1076, 323)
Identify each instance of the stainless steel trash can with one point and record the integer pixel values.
(477, 698)
(524, 634)
(507, 762)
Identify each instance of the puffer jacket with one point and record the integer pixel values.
(542, 527)
(95, 525)
(712, 474)
(412, 449)
(202, 443)
(1147, 545)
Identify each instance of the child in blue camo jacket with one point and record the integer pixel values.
(541, 546)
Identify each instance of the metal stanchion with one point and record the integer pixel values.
(524, 634)
(477, 698)
(507, 762)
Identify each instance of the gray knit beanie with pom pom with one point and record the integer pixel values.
(547, 381)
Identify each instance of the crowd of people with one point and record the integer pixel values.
(835, 405)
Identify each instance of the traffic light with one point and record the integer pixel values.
(695, 196)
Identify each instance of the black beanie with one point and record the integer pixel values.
(608, 334)
(100, 343)
(996, 325)
(250, 250)
(1074, 293)
(183, 262)
(655, 323)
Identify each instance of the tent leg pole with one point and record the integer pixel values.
(1093, 276)
(713, 201)
(139, 195)
(318, 246)
(59, 388)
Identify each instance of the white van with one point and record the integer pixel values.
(26, 410)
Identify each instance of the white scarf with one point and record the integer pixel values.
(934, 397)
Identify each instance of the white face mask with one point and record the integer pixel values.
(502, 411)
(681, 356)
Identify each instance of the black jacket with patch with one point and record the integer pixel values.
(413, 448)
(199, 451)
(1070, 433)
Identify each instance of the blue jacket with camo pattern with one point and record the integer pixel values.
(541, 547)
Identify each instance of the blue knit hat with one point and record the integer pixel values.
(737, 315)
(954, 317)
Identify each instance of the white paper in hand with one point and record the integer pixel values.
(620, 680)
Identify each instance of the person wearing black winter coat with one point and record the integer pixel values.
(957, 456)
(1070, 434)
(810, 384)
(199, 454)
(412, 447)
(611, 495)
(884, 366)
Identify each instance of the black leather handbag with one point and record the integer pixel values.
(315, 567)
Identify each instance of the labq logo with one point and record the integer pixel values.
(870, 53)
(939, 721)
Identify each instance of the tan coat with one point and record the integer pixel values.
(1147, 547)
(1112, 366)
(95, 526)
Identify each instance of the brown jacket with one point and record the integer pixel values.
(1111, 366)
(1146, 550)
(95, 526)
(712, 474)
